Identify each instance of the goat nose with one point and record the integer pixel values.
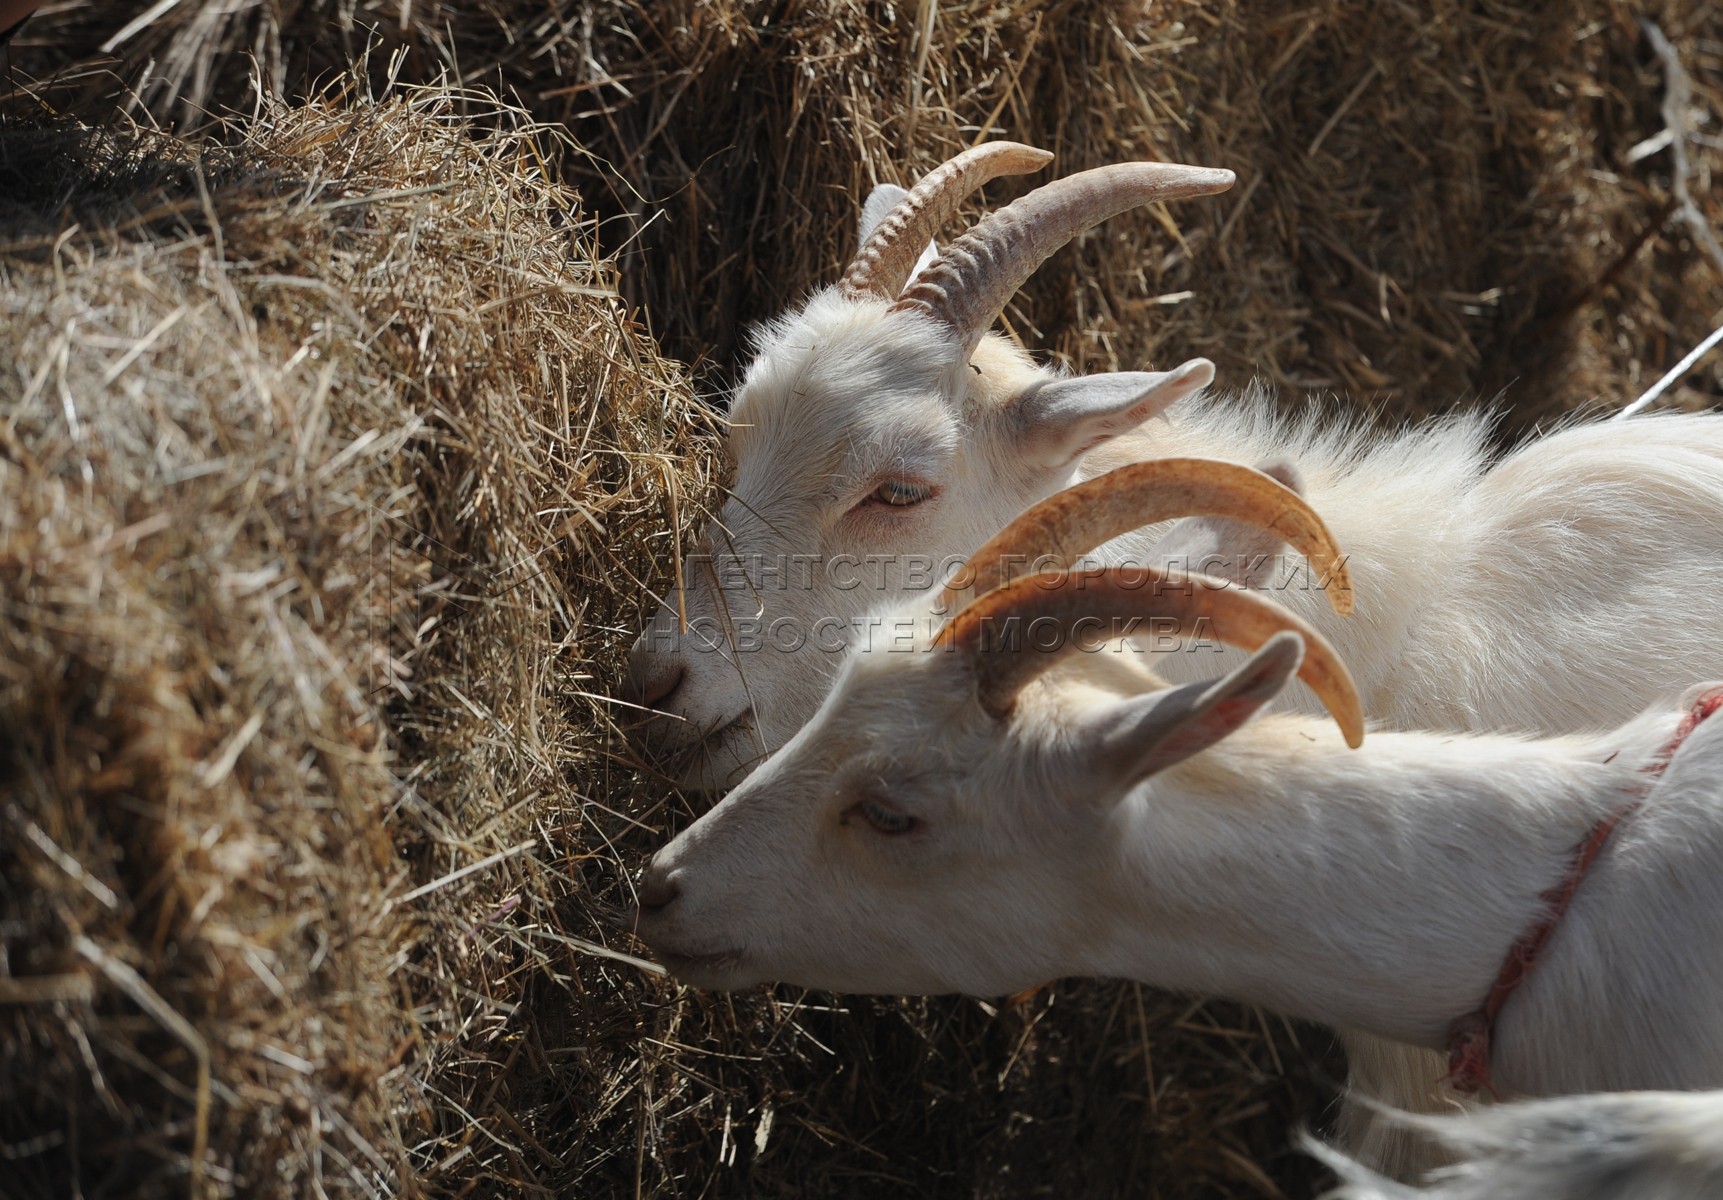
(655, 669)
(658, 889)
(654, 688)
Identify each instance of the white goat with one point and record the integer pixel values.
(872, 441)
(877, 437)
(960, 818)
(1620, 1146)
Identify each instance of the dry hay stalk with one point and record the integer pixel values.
(328, 459)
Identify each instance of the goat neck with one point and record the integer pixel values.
(1379, 891)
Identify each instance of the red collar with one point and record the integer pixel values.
(1469, 1037)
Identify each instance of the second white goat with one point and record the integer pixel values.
(882, 433)
(964, 817)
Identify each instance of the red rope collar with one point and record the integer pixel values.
(1469, 1037)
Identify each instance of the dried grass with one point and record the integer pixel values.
(1436, 202)
(327, 460)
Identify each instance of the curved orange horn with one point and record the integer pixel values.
(1016, 632)
(1080, 518)
(882, 266)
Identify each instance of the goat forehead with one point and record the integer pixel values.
(905, 703)
(810, 452)
(836, 354)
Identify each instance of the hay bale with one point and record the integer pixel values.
(1437, 203)
(327, 456)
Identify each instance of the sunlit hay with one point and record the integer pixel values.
(328, 458)
(1435, 204)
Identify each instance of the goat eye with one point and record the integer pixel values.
(901, 493)
(885, 818)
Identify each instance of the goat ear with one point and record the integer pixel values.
(881, 201)
(1235, 551)
(1060, 422)
(1128, 742)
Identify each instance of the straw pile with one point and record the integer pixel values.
(326, 456)
(1436, 202)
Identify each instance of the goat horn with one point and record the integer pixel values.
(1016, 632)
(978, 273)
(882, 266)
(1080, 518)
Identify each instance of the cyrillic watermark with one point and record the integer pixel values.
(900, 633)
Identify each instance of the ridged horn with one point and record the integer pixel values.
(882, 266)
(1073, 522)
(976, 276)
(1016, 632)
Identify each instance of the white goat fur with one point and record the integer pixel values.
(1623, 1146)
(1552, 591)
(1376, 890)
(1561, 589)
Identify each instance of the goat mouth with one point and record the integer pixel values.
(733, 725)
(681, 747)
(678, 732)
(721, 758)
(695, 968)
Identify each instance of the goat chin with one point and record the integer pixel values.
(1620, 1146)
